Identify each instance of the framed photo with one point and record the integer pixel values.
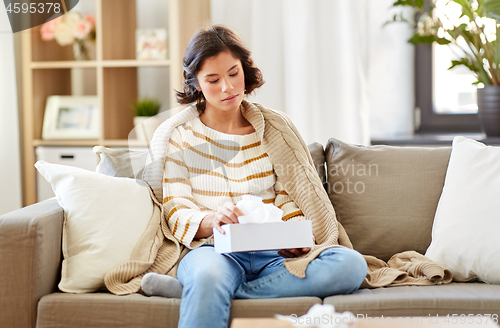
(72, 117)
(151, 43)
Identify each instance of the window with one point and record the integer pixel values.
(447, 99)
(442, 107)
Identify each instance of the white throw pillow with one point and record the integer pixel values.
(104, 220)
(467, 220)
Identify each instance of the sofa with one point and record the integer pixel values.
(384, 196)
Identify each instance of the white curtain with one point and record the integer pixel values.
(316, 57)
(10, 166)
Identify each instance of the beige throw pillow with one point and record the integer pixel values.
(104, 219)
(384, 196)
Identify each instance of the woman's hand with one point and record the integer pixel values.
(293, 252)
(226, 214)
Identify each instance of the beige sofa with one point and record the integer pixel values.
(384, 196)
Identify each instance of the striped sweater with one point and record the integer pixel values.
(205, 168)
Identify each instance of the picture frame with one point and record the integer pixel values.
(72, 117)
(151, 43)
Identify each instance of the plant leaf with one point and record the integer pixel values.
(464, 62)
(410, 3)
(403, 3)
(480, 8)
(427, 39)
(442, 41)
(466, 9)
(492, 9)
(463, 3)
(421, 39)
(481, 75)
(461, 30)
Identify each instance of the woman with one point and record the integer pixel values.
(231, 148)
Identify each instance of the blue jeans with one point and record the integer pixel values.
(211, 280)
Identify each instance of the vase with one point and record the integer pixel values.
(145, 126)
(488, 103)
(80, 50)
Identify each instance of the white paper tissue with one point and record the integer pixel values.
(256, 211)
(320, 316)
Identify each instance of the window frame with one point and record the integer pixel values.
(431, 122)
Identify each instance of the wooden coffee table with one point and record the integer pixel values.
(372, 322)
(260, 323)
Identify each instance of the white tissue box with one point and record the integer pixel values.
(263, 236)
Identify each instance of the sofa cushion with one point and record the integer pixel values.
(121, 162)
(466, 225)
(454, 298)
(318, 157)
(60, 310)
(384, 196)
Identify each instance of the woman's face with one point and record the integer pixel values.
(222, 81)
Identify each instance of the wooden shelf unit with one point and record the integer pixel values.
(95, 64)
(90, 143)
(47, 69)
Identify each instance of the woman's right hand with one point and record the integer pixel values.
(226, 214)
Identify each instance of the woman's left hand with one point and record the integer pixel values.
(293, 252)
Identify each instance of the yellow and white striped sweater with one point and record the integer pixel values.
(205, 168)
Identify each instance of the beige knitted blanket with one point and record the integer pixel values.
(158, 251)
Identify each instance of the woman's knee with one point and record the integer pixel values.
(349, 265)
(355, 263)
(207, 272)
(198, 259)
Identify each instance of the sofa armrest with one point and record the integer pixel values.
(30, 260)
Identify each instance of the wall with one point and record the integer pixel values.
(10, 163)
(386, 88)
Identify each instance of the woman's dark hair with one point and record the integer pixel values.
(209, 42)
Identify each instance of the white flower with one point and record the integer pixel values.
(64, 34)
(425, 26)
(72, 19)
(69, 28)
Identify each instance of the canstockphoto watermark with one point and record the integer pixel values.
(390, 320)
(25, 14)
(349, 177)
(324, 319)
(339, 319)
(342, 178)
(336, 319)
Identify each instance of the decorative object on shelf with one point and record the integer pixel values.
(472, 37)
(72, 117)
(145, 120)
(151, 43)
(71, 29)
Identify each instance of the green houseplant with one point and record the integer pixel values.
(145, 120)
(472, 37)
(146, 107)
